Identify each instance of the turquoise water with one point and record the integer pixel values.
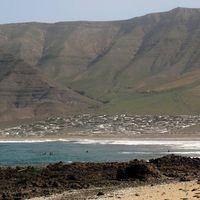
(76, 151)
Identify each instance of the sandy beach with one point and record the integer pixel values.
(172, 191)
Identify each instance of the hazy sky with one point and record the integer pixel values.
(70, 10)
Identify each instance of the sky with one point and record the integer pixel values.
(12, 11)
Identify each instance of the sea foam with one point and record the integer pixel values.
(180, 144)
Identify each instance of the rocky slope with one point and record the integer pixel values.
(147, 64)
(25, 93)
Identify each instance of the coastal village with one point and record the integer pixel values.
(87, 124)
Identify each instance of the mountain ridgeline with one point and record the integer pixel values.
(145, 65)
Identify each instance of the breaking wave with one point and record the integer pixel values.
(182, 144)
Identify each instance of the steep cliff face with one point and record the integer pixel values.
(26, 94)
(148, 64)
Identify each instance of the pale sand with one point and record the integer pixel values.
(189, 191)
(173, 191)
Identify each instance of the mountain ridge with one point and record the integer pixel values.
(97, 21)
(143, 65)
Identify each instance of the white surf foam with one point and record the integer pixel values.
(184, 144)
(181, 144)
(33, 141)
(129, 153)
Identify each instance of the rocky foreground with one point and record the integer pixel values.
(28, 182)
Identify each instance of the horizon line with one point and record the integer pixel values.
(93, 21)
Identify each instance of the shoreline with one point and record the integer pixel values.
(43, 150)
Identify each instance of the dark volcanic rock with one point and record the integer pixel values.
(138, 170)
(177, 166)
(26, 182)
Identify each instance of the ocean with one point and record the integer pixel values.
(27, 152)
